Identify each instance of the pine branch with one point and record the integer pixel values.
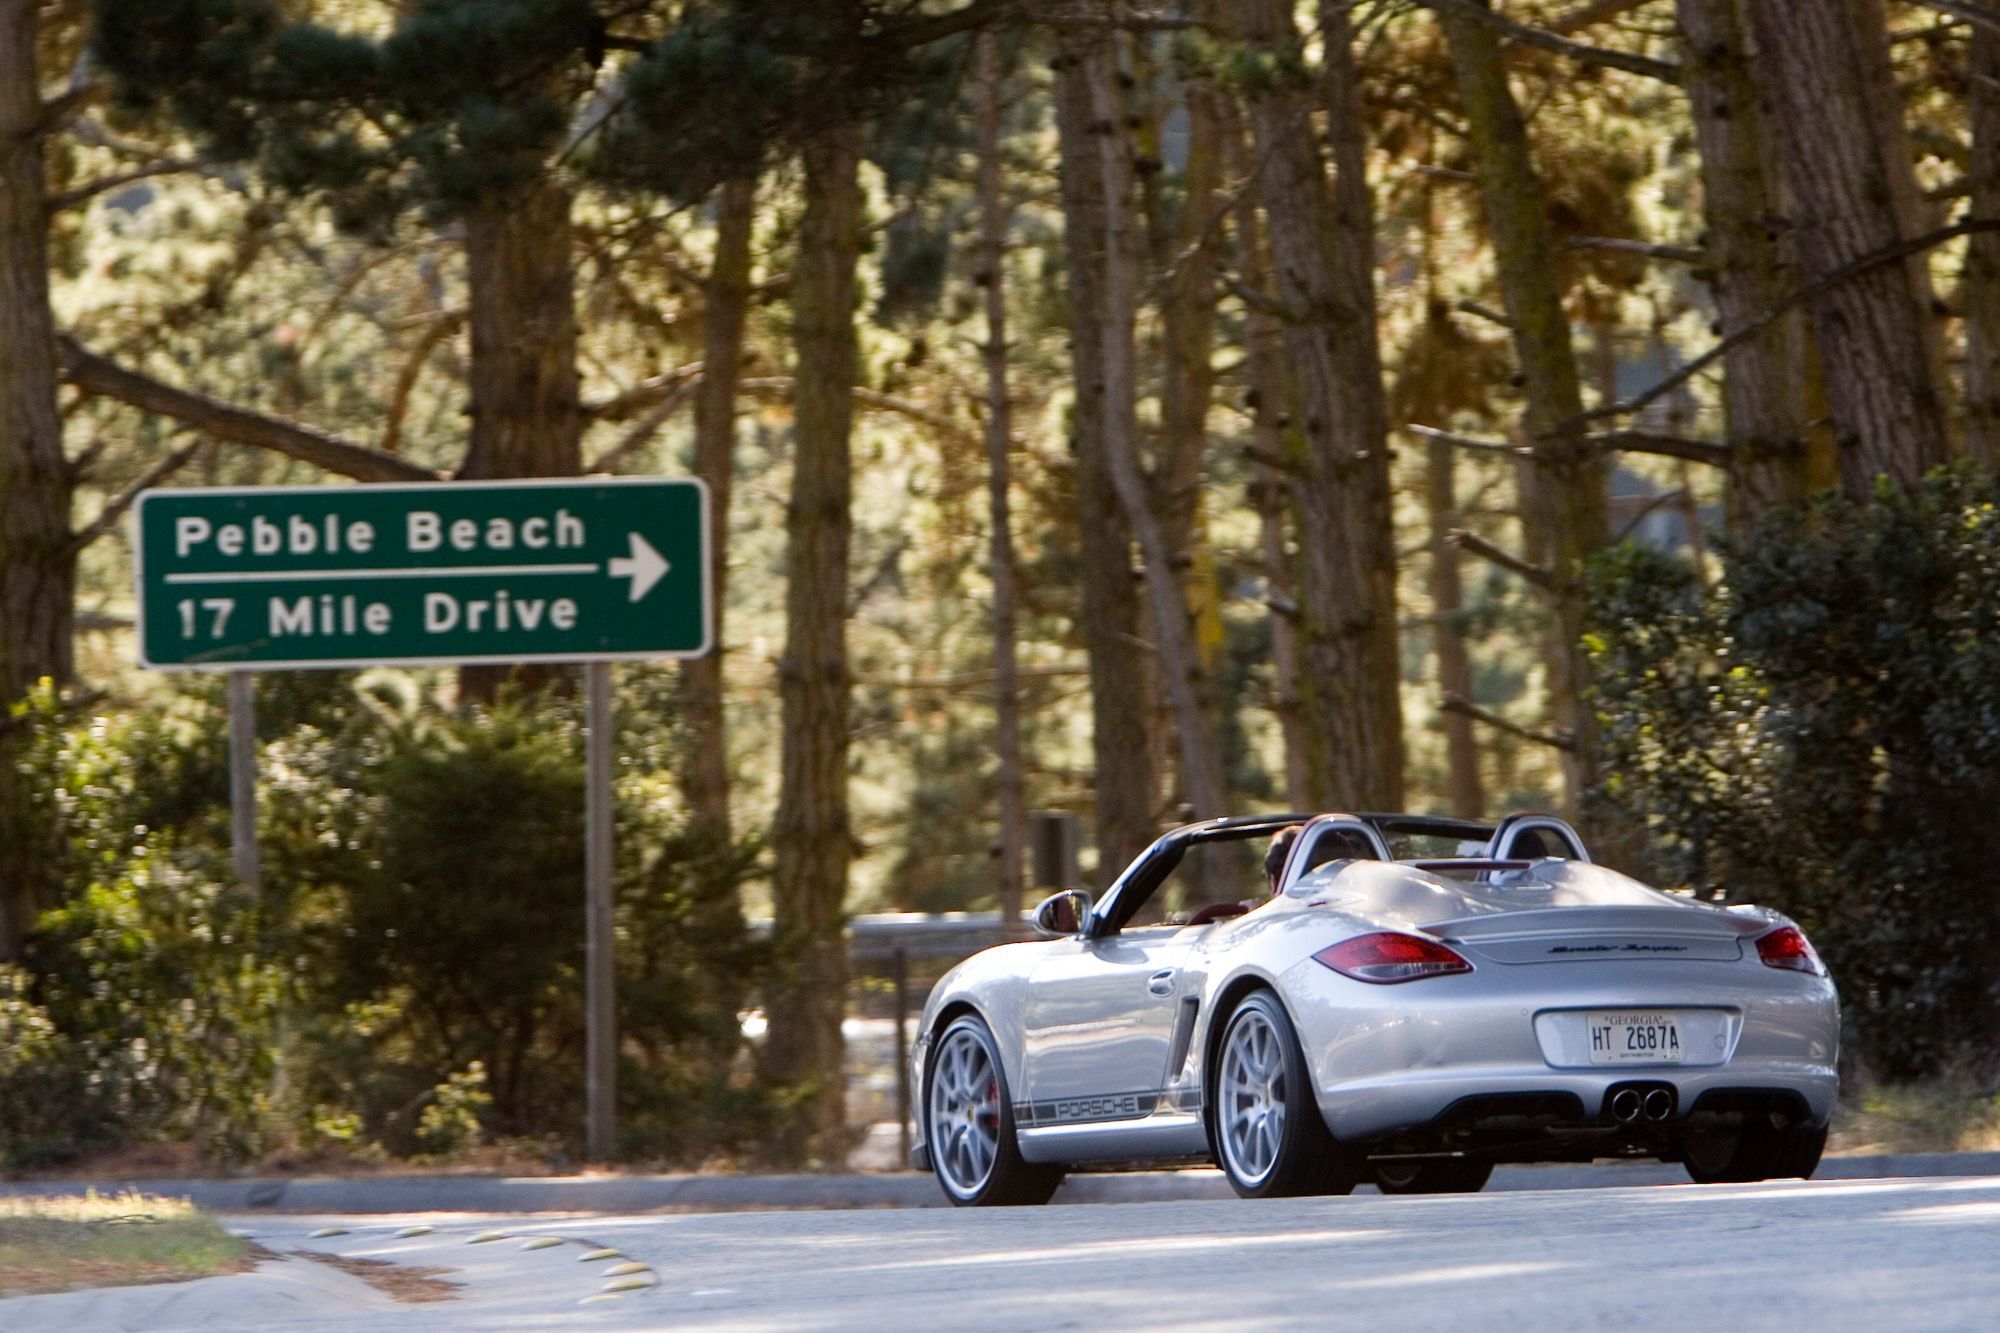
(1527, 35)
(1458, 703)
(645, 428)
(1468, 442)
(646, 394)
(1888, 254)
(107, 517)
(1705, 452)
(1484, 312)
(1477, 545)
(89, 190)
(1679, 254)
(224, 421)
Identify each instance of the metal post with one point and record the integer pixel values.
(243, 782)
(601, 1013)
(901, 975)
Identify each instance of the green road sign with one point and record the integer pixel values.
(569, 570)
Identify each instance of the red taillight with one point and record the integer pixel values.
(1386, 958)
(1787, 947)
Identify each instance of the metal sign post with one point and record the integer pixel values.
(590, 570)
(243, 783)
(601, 1013)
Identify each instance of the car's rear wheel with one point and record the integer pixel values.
(1453, 1176)
(1753, 1152)
(969, 1123)
(1266, 1127)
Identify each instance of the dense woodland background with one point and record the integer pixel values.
(1146, 410)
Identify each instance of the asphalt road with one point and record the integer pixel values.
(1817, 1256)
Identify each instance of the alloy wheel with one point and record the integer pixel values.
(965, 1112)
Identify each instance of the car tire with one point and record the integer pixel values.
(1265, 1126)
(1752, 1153)
(1455, 1176)
(969, 1124)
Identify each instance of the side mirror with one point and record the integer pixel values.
(1063, 913)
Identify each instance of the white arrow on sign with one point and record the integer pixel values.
(644, 567)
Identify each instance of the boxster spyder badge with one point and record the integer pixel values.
(1409, 1000)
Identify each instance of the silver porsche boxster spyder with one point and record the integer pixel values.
(1408, 1001)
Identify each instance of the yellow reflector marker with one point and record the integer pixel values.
(628, 1267)
(324, 1232)
(543, 1243)
(418, 1230)
(628, 1284)
(592, 1256)
(487, 1237)
(601, 1298)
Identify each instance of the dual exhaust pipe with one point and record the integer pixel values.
(1629, 1105)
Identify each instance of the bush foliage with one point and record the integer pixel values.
(411, 981)
(1820, 732)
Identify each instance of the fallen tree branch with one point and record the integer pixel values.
(1458, 703)
(1528, 35)
(223, 421)
(1477, 545)
(1889, 254)
(107, 517)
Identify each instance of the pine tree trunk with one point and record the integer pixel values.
(1980, 291)
(1008, 782)
(1323, 255)
(1266, 396)
(811, 838)
(1883, 395)
(705, 762)
(37, 566)
(1198, 746)
(1762, 401)
(1565, 496)
(1110, 614)
(1463, 787)
(526, 419)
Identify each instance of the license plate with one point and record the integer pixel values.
(1635, 1037)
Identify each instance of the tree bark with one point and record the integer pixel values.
(1264, 360)
(1009, 788)
(1564, 494)
(705, 761)
(1981, 287)
(1323, 255)
(1198, 747)
(1463, 787)
(1124, 782)
(1884, 398)
(37, 559)
(811, 838)
(527, 420)
(1762, 400)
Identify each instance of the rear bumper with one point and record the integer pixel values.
(1391, 1058)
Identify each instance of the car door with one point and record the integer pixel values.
(1099, 1024)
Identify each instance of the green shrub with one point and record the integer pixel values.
(1821, 732)
(414, 965)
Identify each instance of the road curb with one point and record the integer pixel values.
(639, 1194)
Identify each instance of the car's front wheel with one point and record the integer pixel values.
(1451, 1176)
(1753, 1152)
(969, 1123)
(1267, 1130)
